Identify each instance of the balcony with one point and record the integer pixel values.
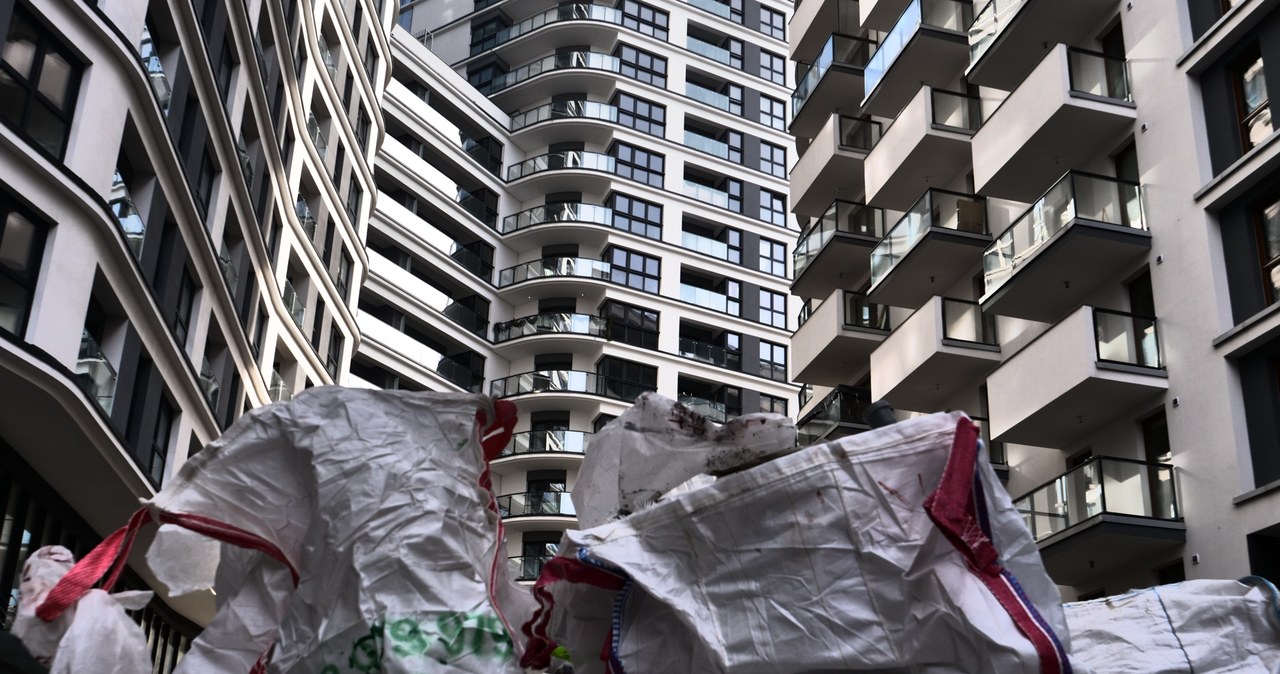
(714, 52)
(837, 415)
(210, 387)
(935, 243)
(927, 45)
(550, 323)
(567, 382)
(1091, 368)
(1104, 515)
(833, 252)
(155, 71)
(227, 265)
(527, 567)
(394, 280)
(710, 299)
(720, 9)
(712, 410)
(836, 341)
(588, 72)
(833, 82)
(1084, 230)
(563, 171)
(536, 503)
(712, 98)
(556, 267)
(927, 144)
(316, 134)
(547, 442)
(558, 15)
(1075, 105)
(944, 348)
(127, 215)
(706, 144)
(561, 212)
(277, 390)
(326, 58)
(575, 121)
(411, 355)
(1001, 58)
(710, 195)
(246, 163)
(95, 374)
(832, 164)
(711, 354)
(308, 221)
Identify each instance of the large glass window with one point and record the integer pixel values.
(636, 215)
(773, 309)
(773, 361)
(1269, 245)
(641, 65)
(773, 208)
(773, 112)
(634, 270)
(21, 246)
(773, 258)
(637, 164)
(631, 324)
(644, 19)
(773, 24)
(1252, 102)
(38, 83)
(773, 404)
(640, 114)
(773, 159)
(773, 67)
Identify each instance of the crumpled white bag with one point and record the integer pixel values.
(375, 498)
(1203, 626)
(94, 636)
(823, 560)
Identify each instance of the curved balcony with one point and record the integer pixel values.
(576, 120)
(556, 15)
(561, 212)
(551, 323)
(927, 45)
(527, 567)
(561, 267)
(832, 82)
(1083, 231)
(576, 170)
(547, 442)
(567, 381)
(587, 72)
(555, 161)
(934, 243)
(536, 503)
(834, 251)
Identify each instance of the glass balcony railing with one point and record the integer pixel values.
(704, 245)
(838, 414)
(541, 442)
(528, 567)
(712, 98)
(567, 381)
(563, 61)
(127, 215)
(580, 267)
(550, 323)
(558, 212)
(305, 218)
(713, 52)
(564, 110)
(1127, 339)
(326, 57)
(859, 134)
(295, 305)
(937, 208)
(227, 265)
(1100, 486)
(536, 503)
(949, 15)
(95, 374)
(706, 194)
(553, 161)
(155, 71)
(860, 313)
(805, 313)
(707, 353)
(840, 216)
(209, 384)
(565, 12)
(1076, 195)
(316, 134)
(710, 299)
(712, 410)
(956, 112)
(963, 321)
(720, 9)
(277, 389)
(706, 144)
(1098, 74)
(987, 25)
(843, 50)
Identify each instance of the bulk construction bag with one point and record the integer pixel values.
(895, 550)
(346, 531)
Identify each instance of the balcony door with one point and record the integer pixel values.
(545, 490)
(1155, 438)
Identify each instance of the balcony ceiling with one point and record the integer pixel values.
(1085, 554)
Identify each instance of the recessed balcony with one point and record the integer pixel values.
(837, 415)
(834, 251)
(1084, 230)
(927, 45)
(540, 332)
(837, 339)
(832, 82)
(831, 166)
(1104, 515)
(935, 243)
(414, 356)
(95, 373)
(1073, 106)
(127, 215)
(947, 346)
(1008, 37)
(927, 144)
(1092, 367)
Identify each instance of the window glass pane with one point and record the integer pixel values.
(1271, 230)
(20, 47)
(1254, 86)
(12, 99)
(46, 128)
(15, 246)
(55, 78)
(13, 305)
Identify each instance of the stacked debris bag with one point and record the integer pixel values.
(346, 531)
(893, 550)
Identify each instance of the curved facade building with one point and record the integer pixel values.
(183, 204)
(578, 203)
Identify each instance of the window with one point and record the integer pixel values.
(354, 196)
(38, 83)
(773, 309)
(644, 19)
(773, 159)
(1252, 104)
(334, 358)
(640, 65)
(773, 23)
(624, 379)
(21, 247)
(259, 332)
(344, 275)
(773, 361)
(317, 323)
(204, 182)
(773, 112)
(773, 67)
(639, 165)
(631, 324)
(1268, 220)
(182, 311)
(773, 258)
(226, 64)
(154, 465)
(363, 129)
(483, 77)
(773, 404)
(634, 270)
(484, 35)
(642, 115)
(370, 61)
(773, 208)
(636, 215)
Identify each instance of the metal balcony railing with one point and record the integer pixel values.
(567, 381)
(840, 216)
(294, 304)
(127, 215)
(1127, 339)
(528, 567)
(937, 208)
(564, 110)
(155, 71)
(580, 160)
(963, 321)
(551, 323)
(844, 50)
(277, 389)
(1100, 486)
(540, 442)
(536, 503)
(558, 212)
(579, 267)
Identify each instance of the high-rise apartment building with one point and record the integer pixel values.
(578, 203)
(1061, 217)
(182, 212)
